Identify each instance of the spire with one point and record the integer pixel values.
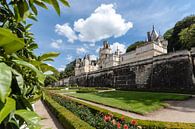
(154, 34)
(153, 27)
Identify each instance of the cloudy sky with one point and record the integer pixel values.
(81, 28)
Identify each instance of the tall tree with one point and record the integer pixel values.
(178, 33)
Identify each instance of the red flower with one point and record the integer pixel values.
(122, 118)
(118, 125)
(107, 118)
(133, 122)
(125, 126)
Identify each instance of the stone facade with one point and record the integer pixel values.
(154, 46)
(85, 65)
(169, 72)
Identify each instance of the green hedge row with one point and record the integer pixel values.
(65, 117)
(87, 90)
(146, 124)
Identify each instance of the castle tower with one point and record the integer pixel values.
(154, 35)
(104, 53)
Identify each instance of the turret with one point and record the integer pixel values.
(154, 34)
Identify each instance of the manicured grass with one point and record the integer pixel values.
(139, 102)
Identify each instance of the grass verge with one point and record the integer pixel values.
(138, 102)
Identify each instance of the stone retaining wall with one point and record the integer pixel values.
(171, 72)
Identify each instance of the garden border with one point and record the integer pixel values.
(64, 116)
(144, 123)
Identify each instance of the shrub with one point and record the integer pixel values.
(86, 90)
(65, 117)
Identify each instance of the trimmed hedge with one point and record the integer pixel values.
(65, 117)
(87, 90)
(146, 124)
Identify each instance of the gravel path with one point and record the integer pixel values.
(49, 120)
(178, 111)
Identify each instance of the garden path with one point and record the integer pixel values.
(178, 111)
(48, 119)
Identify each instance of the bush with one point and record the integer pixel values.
(65, 117)
(86, 90)
(146, 124)
(103, 88)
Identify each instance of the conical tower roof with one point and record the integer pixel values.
(154, 34)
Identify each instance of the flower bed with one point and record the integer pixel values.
(64, 116)
(94, 118)
(146, 124)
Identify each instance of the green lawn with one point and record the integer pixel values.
(139, 102)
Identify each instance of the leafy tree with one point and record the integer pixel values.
(134, 46)
(175, 36)
(69, 70)
(187, 37)
(22, 72)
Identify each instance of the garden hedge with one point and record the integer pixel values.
(146, 124)
(65, 117)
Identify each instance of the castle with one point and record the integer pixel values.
(154, 45)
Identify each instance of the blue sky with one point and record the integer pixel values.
(81, 28)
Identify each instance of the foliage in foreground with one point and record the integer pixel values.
(21, 71)
(145, 124)
(67, 72)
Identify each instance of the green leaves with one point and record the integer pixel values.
(40, 3)
(5, 81)
(56, 6)
(65, 3)
(40, 75)
(30, 117)
(9, 106)
(10, 42)
(47, 56)
(23, 9)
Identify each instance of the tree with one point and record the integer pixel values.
(22, 72)
(134, 46)
(187, 37)
(175, 41)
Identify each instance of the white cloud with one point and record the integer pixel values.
(56, 44)
(103, 23)
(67, 31)
(61, 68)
(92, 44)
(81, 50)
(93, 57)
(120, 46)
(69, 58)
